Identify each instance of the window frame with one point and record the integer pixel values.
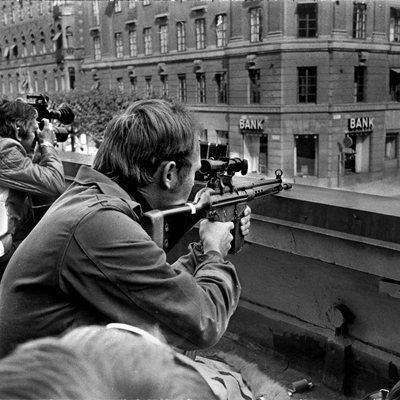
(182, 88)
(221, 30)
(200, 33)
(132, 39)
(147, 41)
(255, 24)
(254, 86)
(307, 16)
(119, 45)
(359, 84)
(306, 80)
(163, 34)
(181, 36)
(221, 87)
(201, 97)
(96, 47)
(359, 20)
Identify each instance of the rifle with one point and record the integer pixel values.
(226, 203)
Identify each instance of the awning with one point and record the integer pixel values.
(56, 36)
(395, 70)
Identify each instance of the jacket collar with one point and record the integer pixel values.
(88, 176)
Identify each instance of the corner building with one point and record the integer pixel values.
(311, 87)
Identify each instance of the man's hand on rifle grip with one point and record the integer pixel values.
(216, 236)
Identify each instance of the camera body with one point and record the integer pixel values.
(63, 113)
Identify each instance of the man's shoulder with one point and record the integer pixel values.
(11, 153)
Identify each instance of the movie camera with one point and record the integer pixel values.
(63, 114)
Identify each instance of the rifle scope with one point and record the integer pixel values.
(228, 165)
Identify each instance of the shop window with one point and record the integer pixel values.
(147, 41)
(255, 25)
(391, 145)
(254, 86)
(307, 84)
(359, 84)
(200, 32)
(220, 79)
(359, 20)
(182, 90)
(181, 36)
(201, 87)
(306, 155)
(163, 38)
(119, 46)
(307, 19)
(394, 27)
(357, 158)
(221, 30)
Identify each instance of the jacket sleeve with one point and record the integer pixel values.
(114, 265)
(17, 171)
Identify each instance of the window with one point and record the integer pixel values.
(394, 84)
(200, 31)
(3, 85)
(120, 84)
(56, 83)
(220, 29)
(359, 20)
(97, 48)
(42, 46)
(119, 46)
(307, 84)
(306, 152)
(149, 86)
(391, 145)
(220, 79)
(96, 13)
(146, 2)
(11, 84)
(222, 144)
(35, 82)
(117, 6)
(45, 82)
(133, 81)
(24, 50)
(33, 47)
(12, 13)
(394, 28)
(307, 19)
(132, 3)
(254, 86)
(132, 42)
(201, 87)
(359, 84)
(182, 94)
(255, 25)
(40, 7)
(5, 19)
(163, 38)
(164, 85)
(147, 41)
(181, 36)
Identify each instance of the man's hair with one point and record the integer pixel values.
(136, 367)
(47, 369)
(13, 114)
(137, 141)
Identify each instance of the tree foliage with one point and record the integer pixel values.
(94, 109)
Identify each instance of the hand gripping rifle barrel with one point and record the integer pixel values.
(226, 203)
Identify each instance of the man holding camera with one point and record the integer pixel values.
(24, 172)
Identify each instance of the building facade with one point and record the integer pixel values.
(311, 87)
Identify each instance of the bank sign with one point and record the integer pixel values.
(246, 124)
(361, 124)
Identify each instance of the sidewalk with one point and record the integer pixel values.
(388, 187)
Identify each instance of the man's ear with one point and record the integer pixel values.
(18, 136)
(169, 175)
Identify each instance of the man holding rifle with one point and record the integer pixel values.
(89, 260)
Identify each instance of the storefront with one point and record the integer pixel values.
(255, 143)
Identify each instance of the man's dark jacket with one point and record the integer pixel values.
(89, 261)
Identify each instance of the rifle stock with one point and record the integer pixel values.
(227, 203)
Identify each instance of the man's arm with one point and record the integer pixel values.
(114, 266)
(17, 171)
